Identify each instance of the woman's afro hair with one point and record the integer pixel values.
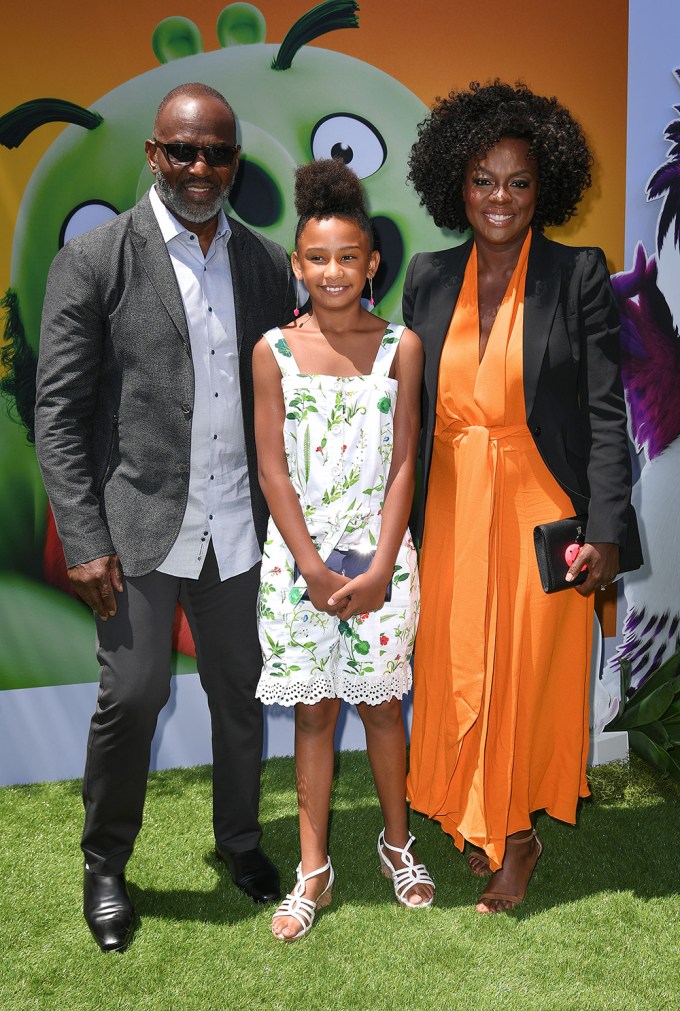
(326, 189)
(465, 126)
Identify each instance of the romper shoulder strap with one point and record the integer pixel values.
(284, 356)
(387, 350)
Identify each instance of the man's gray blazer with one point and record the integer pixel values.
(116, 384)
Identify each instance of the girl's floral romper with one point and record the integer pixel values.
(338, 436)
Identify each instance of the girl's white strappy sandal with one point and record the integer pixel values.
(404, 878)
(303, 910)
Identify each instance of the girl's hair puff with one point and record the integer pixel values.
(328, 189)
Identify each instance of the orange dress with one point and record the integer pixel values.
(500, 709)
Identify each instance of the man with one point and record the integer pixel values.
(144, 433)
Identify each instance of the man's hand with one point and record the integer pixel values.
(95, 582)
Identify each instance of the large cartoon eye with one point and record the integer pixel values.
(352, 139)
(84, 218)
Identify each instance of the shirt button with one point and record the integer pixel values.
(202, 538)
(212, 477)
(205, 533)
(205, 268)
(182, 468)
(209, 308)
(214, 436)
(192, 237)
(211, 516)
(186, 409)
(217, 394)
(212, 352)
(537, 430)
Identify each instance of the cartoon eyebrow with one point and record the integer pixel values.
(16, 124)
(326, 17)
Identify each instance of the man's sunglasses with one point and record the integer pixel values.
(216, 155)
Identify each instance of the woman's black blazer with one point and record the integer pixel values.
(575, 406)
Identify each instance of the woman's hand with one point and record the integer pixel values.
(359, 595)
(602, 560)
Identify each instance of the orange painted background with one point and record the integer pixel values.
(81, 49)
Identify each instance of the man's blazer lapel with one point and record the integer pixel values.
(150, 245)
(241, 272)
(541, 296)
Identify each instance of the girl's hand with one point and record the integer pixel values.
(364, 593)
(323, 586)
(602, 561)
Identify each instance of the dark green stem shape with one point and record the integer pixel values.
(325, 17)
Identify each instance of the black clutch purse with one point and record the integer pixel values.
(554, 543)
(350, 563)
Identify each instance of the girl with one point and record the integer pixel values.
(337, 395)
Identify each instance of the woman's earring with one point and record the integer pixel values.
(296, 310)
(371, 301)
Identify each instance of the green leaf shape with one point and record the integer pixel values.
(344, 629)
(362, 647)
(672, 728)
(666, 672)
(295, 595)
(673, 711)
(625, 672)
(283, 348)
(658, 733)
(674, 764)
(650, 752)
(649, 709)
(384, 405)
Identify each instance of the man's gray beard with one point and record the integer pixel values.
(181, 208)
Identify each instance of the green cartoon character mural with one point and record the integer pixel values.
(294, 103)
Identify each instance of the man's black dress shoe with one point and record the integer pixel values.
(108, 910)
(254, 873)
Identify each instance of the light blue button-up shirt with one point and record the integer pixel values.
(218, 504)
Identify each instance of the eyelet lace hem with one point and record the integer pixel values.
(283, 691)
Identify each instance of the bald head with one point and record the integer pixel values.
(192, 90)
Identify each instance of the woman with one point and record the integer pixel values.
(524, 423)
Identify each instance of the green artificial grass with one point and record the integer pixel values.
(600, 928)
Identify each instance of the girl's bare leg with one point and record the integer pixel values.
(314, 757)
(386, 743)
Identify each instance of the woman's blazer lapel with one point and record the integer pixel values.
(541, 296)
